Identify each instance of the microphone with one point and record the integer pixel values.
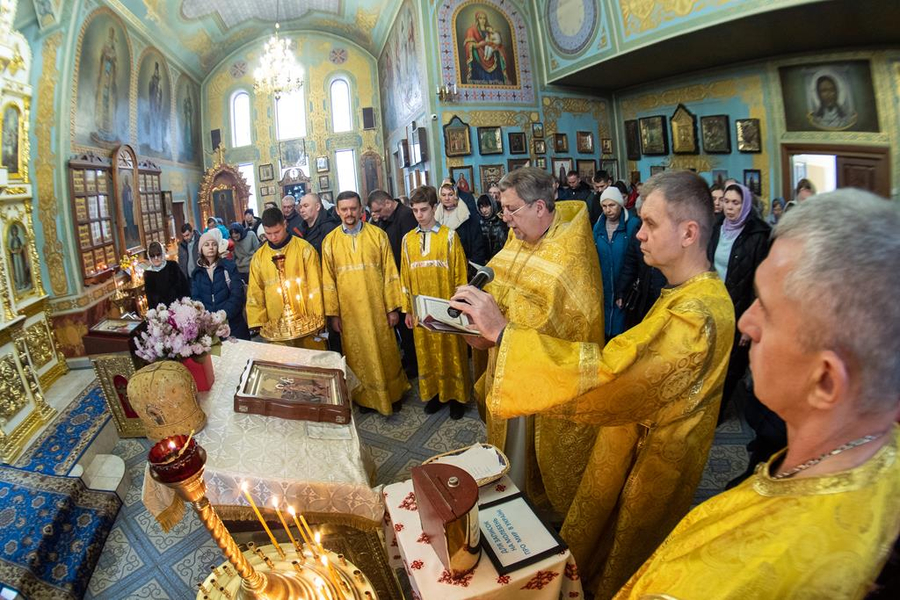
(482, 277)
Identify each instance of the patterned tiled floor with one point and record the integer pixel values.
(140, 561)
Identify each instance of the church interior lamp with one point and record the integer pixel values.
(278, 72)
(295, 321)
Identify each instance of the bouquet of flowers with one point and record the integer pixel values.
(181, 330)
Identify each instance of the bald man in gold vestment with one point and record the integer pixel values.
(819, 519)
(654, 391)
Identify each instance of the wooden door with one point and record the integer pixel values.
(864, 172)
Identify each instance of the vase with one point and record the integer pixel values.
(201, 370)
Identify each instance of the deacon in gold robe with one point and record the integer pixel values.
(820, 518)
(546, 278)
(362, 299)
(302, 272)
(433, 263)
(654, 390)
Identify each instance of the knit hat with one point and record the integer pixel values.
(613, 193)
(214, 234)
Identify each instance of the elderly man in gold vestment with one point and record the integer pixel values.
(546, 278)
(819, 519)
(362, 298)
(301, 269)
(654, 390)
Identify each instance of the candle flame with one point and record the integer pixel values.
(318, 538)
(291, 510)
(324, 560)
(172, 444)
(244, 486)
(319, 582)
(275, 502)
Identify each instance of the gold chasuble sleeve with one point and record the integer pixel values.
(553, 287)
(434, 264)
(655, 392)
(815, 537)
(303, 282)
(360, 285)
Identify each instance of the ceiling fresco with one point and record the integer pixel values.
(201, 33)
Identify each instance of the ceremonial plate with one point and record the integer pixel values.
(484, 462)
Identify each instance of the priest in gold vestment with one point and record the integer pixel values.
(362, 298)
(546, 278)
(433, 263)
(820, 518)
(302, 271)
(654, 391)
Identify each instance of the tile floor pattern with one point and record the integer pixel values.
(140, 561)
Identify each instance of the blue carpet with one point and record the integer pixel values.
(58, 449)
(52, 532)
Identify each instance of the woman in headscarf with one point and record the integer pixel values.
(739, 243)
(244, 247)
(456, 215)
(613, 232)
(217, 284)
(164, 281)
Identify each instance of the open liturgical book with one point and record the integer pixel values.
(431, 313)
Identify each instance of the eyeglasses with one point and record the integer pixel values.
(509, 215)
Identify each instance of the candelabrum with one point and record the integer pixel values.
(292, 324)
(257, 573)
(447, 93)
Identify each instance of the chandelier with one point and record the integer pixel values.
(278, 72)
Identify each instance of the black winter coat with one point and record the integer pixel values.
(401, 222)
(166, 285)
(650, 282)
(222, 293)
(472, 241)
(325, 222)
(749, 250)
(579, 193)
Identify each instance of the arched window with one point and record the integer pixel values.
(240, 119)
(341, 117)
(290, 116)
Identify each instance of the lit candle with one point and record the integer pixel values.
(306, 539)
(309, 533)
(318, 537)
(286, 528)
(331, 574)
(261, 520)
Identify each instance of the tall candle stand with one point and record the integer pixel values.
(259, 573)
(292, 324)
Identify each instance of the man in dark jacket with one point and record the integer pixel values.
(317, 222)
(291, 216)
(397, 220)
(576, 190)
(188, 250)
(600, 182)
(251, 222)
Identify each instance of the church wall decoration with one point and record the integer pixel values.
(490, 141)
(611, 166)
(126, 185)
(12, 130)
(517, 163)
(753, 180)
(371, 172)
(715, 133)
(562, 16)
(560, 142)
(586, 168)
(518, 144)
(584, 142)
(93, 215)
(606, 146)
(154, 90)
(16, 244)
(500, 70)
(684, 131)
(654, 141)
(561, 166)
(829, 97)
(537, 130)
(187, 119)
(400, 68)
(457, 138)
(632, 140)
(464, 178)
(540, 147)
(103, 85)
(749, 135)
(490, 174)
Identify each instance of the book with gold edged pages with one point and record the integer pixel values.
(431, 313)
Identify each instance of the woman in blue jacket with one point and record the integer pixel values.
(613, 232)
(217, 284)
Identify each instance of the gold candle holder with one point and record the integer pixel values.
(178, 463)
(291, 324)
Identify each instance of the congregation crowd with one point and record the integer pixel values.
(623, 324)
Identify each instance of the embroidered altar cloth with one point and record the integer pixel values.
(316, 467)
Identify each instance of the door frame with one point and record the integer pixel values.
(788, 150)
